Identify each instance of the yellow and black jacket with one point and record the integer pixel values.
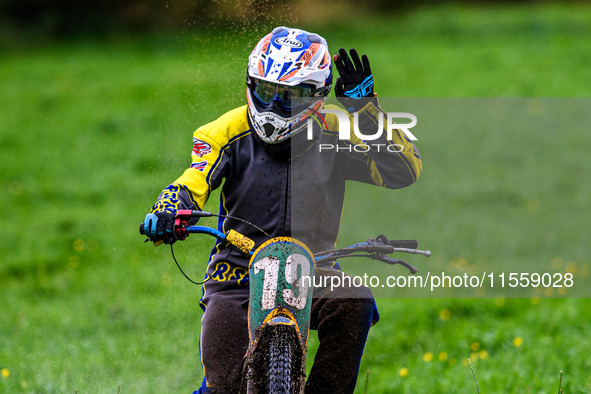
(300, 194)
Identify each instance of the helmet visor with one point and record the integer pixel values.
(267, 92)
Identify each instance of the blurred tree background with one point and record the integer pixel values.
(48, 19)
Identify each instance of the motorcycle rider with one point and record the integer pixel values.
(273, 174)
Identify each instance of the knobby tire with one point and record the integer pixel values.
(280, 357)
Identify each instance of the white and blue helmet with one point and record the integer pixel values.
(286, 64)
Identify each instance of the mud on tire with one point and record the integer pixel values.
(280, 358)
(277, 365)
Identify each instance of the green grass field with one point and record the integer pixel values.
(92, 130)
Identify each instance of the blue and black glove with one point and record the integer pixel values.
(355, 82)
(159, 226)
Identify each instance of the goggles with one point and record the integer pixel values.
(267, 92)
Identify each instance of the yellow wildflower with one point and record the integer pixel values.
(79, 245)
(403, 372)
(517, 341)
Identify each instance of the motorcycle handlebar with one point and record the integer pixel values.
(407, 244)
(382, 245)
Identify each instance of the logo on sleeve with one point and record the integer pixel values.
(200, 148)
(199, 165)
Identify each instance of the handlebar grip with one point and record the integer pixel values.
(142, 232)
(404, 243)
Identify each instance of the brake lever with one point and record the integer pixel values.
(389, 260)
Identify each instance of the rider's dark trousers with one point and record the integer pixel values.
(342, 317)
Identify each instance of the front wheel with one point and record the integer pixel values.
(277, 364)
(280, 358)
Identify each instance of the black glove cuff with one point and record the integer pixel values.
(357, 104)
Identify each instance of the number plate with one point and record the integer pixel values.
(281, 279)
